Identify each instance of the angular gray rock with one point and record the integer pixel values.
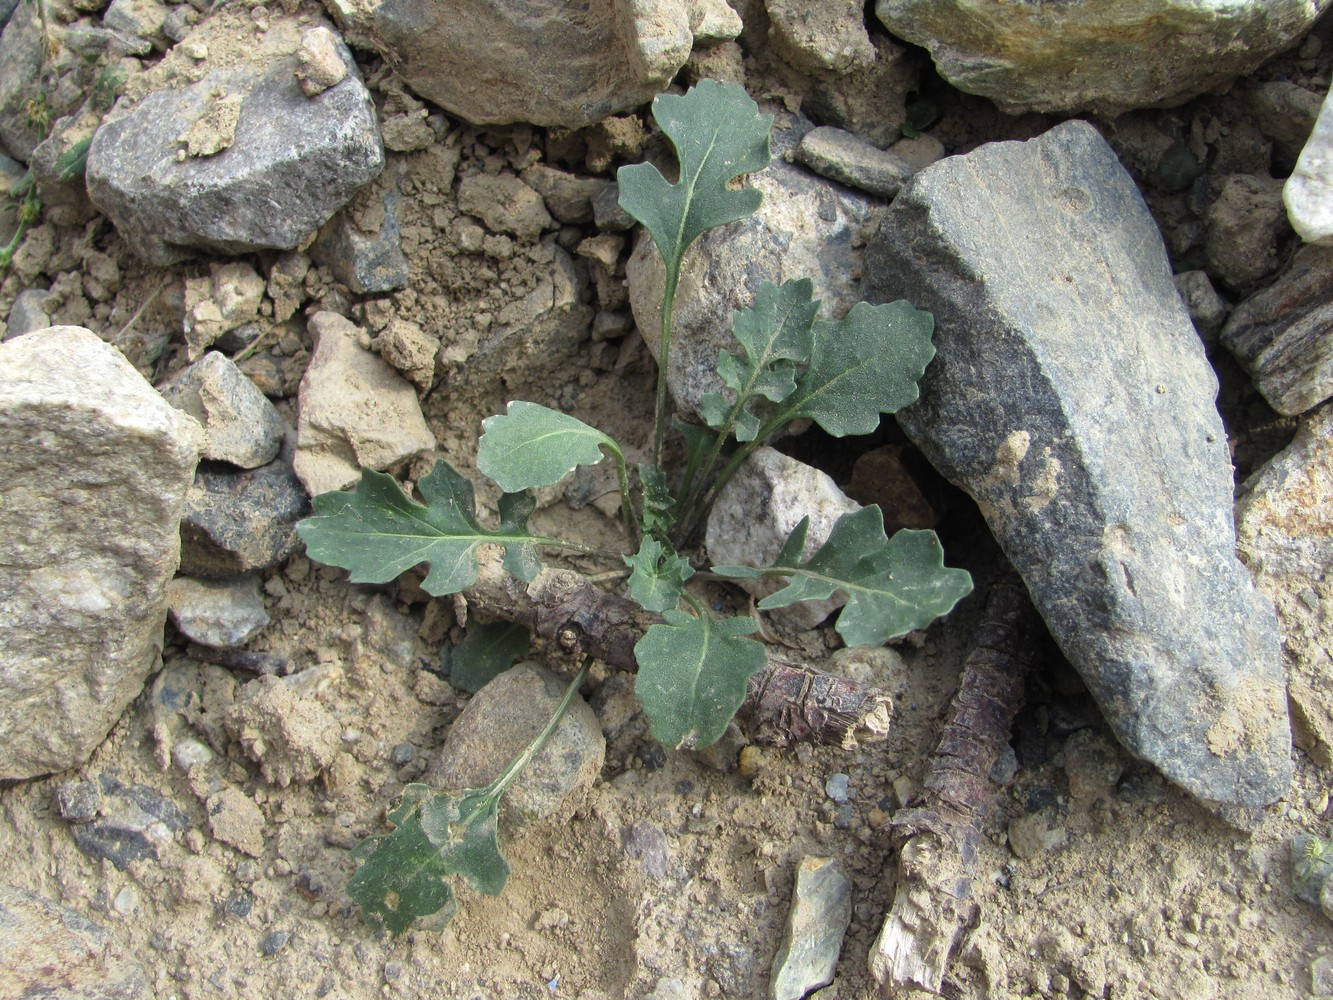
(1283, 334)
(1244, 226)
(758, 509)
(94, 466)
(240, 425)
(355, 411)
(804, 229)
(543, 62)
(1308, 193)
(1284, 515)
(46, 943)
(1071, 397)
(259, 168)
(821, 910)
(1106, 56)
(236, 522)
(499, 721)
(363, 244)
(223, 614)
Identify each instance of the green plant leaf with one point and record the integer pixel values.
(718, 134)
(532, 445)
(403, 877)
(659, 576)
(892, 585)
(377, 532)
(486, 651)
(775, 334)
(658, 503)
(866, 364)
(693, 673)
(465, 830)
(73, 161)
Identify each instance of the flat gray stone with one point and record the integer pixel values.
(240, 425)
(236, 522)
(499, 721)
(1107, 56)
(175, 180)
(1308, 193)
(841, 156)
(44, 943)
(28, 313)
(94, 466)
(363, 244)
(821, 911)
(1284, 515)
(1071, 397)
(223, 614)
(1282, 335)
(803, 229)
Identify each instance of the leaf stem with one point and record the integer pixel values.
(664, 356)
(626, 506)
(497, 787)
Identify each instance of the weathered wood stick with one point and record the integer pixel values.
(938, 834)
(787, 702)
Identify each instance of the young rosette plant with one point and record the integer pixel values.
(693, 666)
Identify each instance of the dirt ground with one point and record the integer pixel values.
(1097, 878)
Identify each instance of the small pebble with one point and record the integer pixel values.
(403, 753)
(126, 901)
(838, 787)
(274, 942)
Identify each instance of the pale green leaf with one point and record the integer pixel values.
(864, 365)
(892, 585)
(465, 831)
(403, 878)
(659, 576)
(377, 532)
(719, 135)
(532, 445)
(693, 673)
(486, 651)
(775, 334)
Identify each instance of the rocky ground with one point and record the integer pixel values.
(202, 848)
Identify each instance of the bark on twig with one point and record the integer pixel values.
(787, 702)
(938, 834)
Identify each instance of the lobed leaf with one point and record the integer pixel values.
(776, 333)
(377, 532)
(718, 134)
(403, 877)
(532, 445)
(892, 585)
(693, 673)
(465, 830)
(659, 576)
(658, 503)
(486, 651)
(866, 364)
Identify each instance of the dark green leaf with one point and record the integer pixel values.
(892, 586)
(693, 673)
(699, 442)
(867, 364)
(377, 531)
(719, 135)
(403, 877)
(73, 161)
(532, 445)
(487, 650)
(657, 501)
(775, 335)
(659, 576)
(465, 830)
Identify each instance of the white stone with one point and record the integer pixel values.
(219, 613)
(1308, 193)
(758, 509)
(354, 410)
(94, 469)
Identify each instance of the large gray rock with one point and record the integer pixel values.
(804, 229)
(94, 466)
(1106, 56)
(240, 161)
(236, 522)
(1308, 193)
(1283, 334)
(1071, 397)
(543, 61)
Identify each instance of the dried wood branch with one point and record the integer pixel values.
(938, 834)
(787, 702)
